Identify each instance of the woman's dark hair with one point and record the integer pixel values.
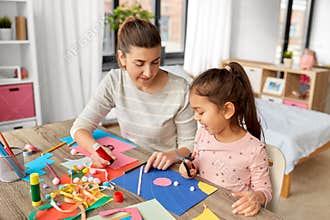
(139, 33)
(230, 84)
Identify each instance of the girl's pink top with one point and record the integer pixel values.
(238, 166)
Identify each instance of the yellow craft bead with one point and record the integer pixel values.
(52, 195)
(85, 170)
(75, 168)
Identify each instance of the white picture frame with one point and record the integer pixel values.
(10, 73)
(274, 86)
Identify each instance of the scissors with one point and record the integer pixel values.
(183, 159)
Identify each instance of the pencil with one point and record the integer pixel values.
(133, 168)
(140, 181)
(6, 145)
(71, 143)
(53, 148)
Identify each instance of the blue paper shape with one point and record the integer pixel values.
(97, 134)
(177, 199)
(36, 166)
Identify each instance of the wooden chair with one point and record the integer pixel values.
(277, 170)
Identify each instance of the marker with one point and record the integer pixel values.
(101, 152)
(35, 189)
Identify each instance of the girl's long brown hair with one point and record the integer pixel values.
(230, 84)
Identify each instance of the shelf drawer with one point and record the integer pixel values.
(272, 99)
(18, 125)
(16, 102)
(255, 76)
(294, 103)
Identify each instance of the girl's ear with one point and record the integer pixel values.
(228, 110)
(121, 58)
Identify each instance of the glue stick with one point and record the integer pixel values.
(35, 189)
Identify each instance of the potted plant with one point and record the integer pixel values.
(5, 28)
(124, 11)
(287, 59)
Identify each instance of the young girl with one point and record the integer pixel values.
(152, 105)
(228, 150)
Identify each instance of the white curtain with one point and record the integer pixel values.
(69, 36)
(208, 35)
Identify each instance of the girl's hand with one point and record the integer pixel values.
(183, 170)
(98, 161)
(161, 160)
(249, 202)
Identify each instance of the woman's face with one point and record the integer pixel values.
(142, 65)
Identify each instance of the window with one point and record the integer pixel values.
(170, 19)
(295, 22)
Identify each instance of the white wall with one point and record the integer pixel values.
(255, 29)
(320, 32)
(320, 37)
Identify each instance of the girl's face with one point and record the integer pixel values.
(142, 65)
(209, 115)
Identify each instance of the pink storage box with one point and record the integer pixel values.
(296, 104)
(16, 102)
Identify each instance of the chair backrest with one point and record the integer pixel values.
(277, 169)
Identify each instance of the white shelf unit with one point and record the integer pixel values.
(20, 53)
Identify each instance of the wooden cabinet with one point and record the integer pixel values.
(318, 83)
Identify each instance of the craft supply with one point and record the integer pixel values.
(192, 188)
(71, 143)
(162, 181)
(56, 179)
(101, 152)
(175, 183)
(73, 151)
(11, 165)
(54, 148)
(140, 180)
(133, 168)
(35, 189)
(118, 196)
(6, 145)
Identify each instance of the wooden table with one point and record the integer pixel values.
(15, 199)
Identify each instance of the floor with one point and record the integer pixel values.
(310, 189)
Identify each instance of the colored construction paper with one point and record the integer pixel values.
(119, 147)
(208, 189)
(162, 182)
(52, 213)
(149, 210)
(48, 212)
(37, 165)
(97, 134)
(82, 161)
(112, 174)
(133, 211)
(207, 214)
(177, 199)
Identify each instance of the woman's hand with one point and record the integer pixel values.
(249, 202)
(98, 161)
(161, 160)
(183, 170)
